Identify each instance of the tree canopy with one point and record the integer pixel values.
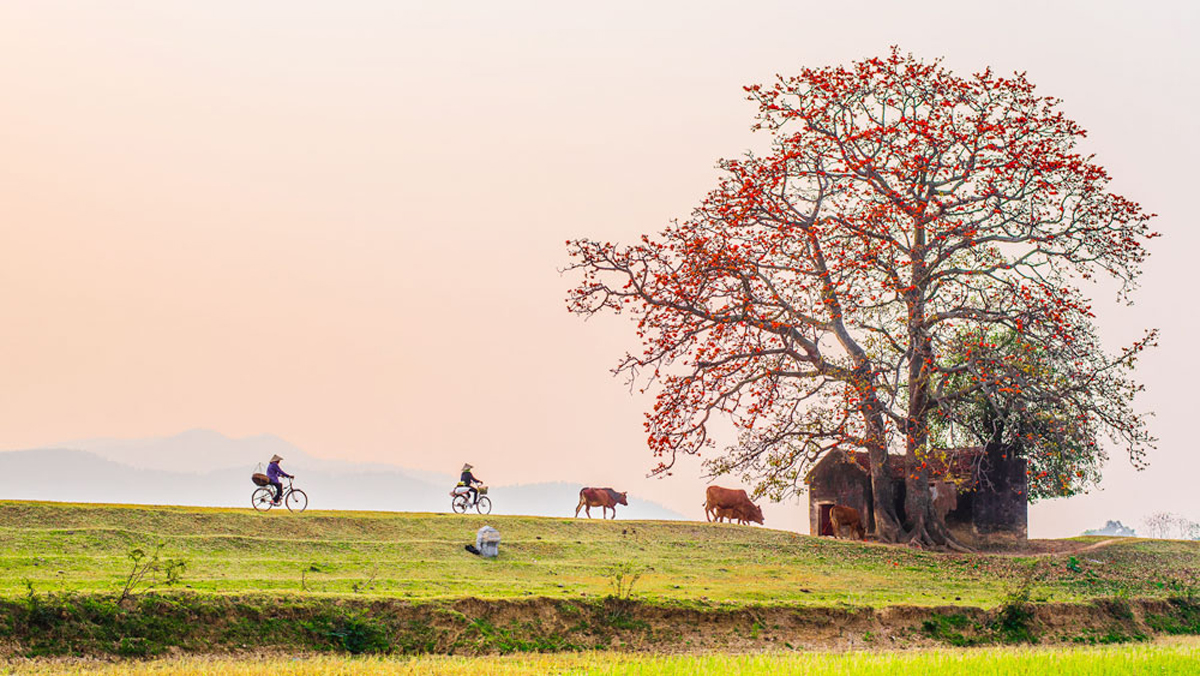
(845, 290)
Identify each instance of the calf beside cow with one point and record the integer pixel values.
(731, 503)
(738, 514)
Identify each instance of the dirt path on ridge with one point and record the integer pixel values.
(1044, 548)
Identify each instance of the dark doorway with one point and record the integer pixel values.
(824, 524)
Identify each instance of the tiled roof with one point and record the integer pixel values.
(955, 464)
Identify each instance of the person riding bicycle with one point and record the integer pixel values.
(469, 481)
(274, 471)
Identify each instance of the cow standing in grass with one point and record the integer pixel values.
(734, 501)
(604, 498)
(846, 517)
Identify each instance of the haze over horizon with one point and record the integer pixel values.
(206, 468)
(343, 225)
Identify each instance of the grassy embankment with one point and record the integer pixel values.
(83, 548)
(402, 582)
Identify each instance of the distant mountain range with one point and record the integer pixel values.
(206, 468)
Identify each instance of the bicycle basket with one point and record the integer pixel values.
(260, 479)
(482, 490)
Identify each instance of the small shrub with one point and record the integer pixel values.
(356, 634)
(1014, 619)
(1012, 623)
(173, 570)
(144, 565)
(949, 628)
(38, 614)
(623, 576)
(360, 635)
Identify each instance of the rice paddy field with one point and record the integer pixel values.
(1172, 657)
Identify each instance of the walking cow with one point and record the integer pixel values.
(604, 498)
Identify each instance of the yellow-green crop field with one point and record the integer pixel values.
(1166, 658)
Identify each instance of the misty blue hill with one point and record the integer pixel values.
(208, 469)
(193, 451)
(72, 475)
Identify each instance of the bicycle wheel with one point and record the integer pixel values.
(459, 503)
(296, 500)
(484, 506)
(262, 498)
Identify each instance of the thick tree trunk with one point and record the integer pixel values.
(883, 496)
(887, 522)
(924, 526)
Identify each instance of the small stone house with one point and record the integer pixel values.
(981, 491)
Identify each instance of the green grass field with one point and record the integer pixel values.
(59, 547)
(398, 583)
(1177, 657)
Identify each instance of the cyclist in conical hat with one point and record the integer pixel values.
(274, 471)
(469, 480)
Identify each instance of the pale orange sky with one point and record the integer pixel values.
(341, 223)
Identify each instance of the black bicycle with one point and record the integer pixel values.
(263, 498)
(461, 501)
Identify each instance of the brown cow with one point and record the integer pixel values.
(722, 513)
(841, 516)
(736, 499)
(740, 514)
(604, 498)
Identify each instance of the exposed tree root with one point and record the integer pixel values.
(930, 533)
(887, 526)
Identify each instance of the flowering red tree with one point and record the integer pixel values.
(837, 293)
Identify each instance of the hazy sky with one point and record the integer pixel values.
(342, 222)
